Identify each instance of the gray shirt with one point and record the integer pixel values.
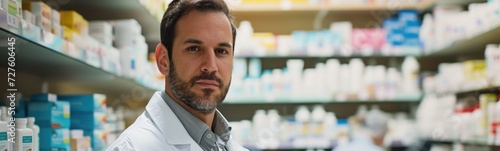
(207, 139)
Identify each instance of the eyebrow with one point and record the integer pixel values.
(199, 42)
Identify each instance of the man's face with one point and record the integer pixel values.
(202, 62)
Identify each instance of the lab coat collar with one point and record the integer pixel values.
(173, 130)
(169, 125)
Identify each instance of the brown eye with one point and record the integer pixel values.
(221, 51)
(193, 49)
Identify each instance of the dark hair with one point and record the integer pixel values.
(178, 8)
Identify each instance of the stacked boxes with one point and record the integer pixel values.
(42, 14)
(102, 31)
(53, 118)
(88, 114)
(14, 15)
(48, 20)
(109, 57)
(403, 32)
(132, 46)
(74, 21)
(29, 28)
(73, 26)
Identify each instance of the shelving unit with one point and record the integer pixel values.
(469, 46)
(276, 7)
(54, 66)
(468, 143)
(313, 99)
(375, 55)
(117, 9)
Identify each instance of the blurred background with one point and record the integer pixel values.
(415, 75)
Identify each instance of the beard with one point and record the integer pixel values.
(205, 103)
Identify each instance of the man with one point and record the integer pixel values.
(196, 55)
(371, 135)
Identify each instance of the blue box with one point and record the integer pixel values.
(415, 42)
(54, 139)
(88, 120)
(50, 114)
(43, 97)
(391, 24)
(97, 137)
(408, 15)
(20, 110)
(85, 102)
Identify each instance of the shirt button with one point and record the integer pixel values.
(209, 136)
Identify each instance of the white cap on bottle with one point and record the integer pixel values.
(21, 122)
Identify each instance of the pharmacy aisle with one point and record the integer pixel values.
(307, 74)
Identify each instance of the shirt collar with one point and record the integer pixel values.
(194, 126)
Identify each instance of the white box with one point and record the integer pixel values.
(71, 50)
(31, 31)
(43, 23)
(4, 5)
(14, 16)
(43, 14)
(111, 60)
(55, 17)
(106, 40)
(29, 17)
(128, 61)
(100, 27)
(3, 18)
(91, 52)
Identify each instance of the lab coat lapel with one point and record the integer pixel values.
(233, 146)
(169, 125)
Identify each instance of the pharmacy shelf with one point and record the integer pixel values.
(290, 147)
(298, 7)
(326, 56)
(53, 65)
(301, 7)
(314, 99)
(478, 89)
(484, 89)
(476, 44)
(273, 7)
(116, 9)
(467, 143)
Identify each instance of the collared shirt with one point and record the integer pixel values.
(199, 131)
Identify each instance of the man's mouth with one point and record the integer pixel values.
(207, 83)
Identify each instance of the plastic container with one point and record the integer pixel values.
(4, 143)
(24, 136)
(36, 132)
(492, 55)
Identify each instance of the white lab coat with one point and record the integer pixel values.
(158, 129)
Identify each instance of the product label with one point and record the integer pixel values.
(3, 141)
(3, 136)
(27, 143)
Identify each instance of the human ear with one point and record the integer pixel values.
(162, 60)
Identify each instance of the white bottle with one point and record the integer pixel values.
(8, 118)
(492, 55)
(330, 125)
(24, 136)
(36, 132)
(410, 75)
(4, 142)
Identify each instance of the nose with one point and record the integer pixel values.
(209, 62)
